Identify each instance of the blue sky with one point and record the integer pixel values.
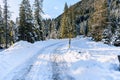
(51, 8)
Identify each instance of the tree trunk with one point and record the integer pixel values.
(119, 62)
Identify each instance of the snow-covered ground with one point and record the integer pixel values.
(52, 60)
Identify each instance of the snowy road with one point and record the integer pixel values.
(52, 60)
(49, 64)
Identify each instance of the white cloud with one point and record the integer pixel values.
(56, 8)
(46, 16)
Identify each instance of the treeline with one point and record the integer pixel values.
(7, 27)
(99, 19)
(111, 34)
(28, 26)
(87, 17)
(31, 27)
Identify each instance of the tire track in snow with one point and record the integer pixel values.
(60, 68)
(41, 66)
(44, 66)
(21, 71)
(42, 69)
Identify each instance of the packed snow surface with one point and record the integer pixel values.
(53, 60)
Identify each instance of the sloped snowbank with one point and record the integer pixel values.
(15, 56)
(84, 66)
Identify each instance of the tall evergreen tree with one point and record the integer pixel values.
(38, 18)
(6, 17)
(26, 22)
(2, 39)
(71, 21)
(11, 32)
(116, 38)
(107, 34)
(68, 29)
(1, 18)
(48, 28)
(65, 7)
(64, 23)
(64, 27)
(21, 27)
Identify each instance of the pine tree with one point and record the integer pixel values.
(64, 23)
(6, 18)
(66, 7)
(11, 32)
(64, 27)
(116, 38)
(107, 35)
(21, 27)
(68, 29)
(48, 28)
(17, 28)
(115, 20)
(71, 21)
(53, 32)
(38, 19)
(2, 39)
(1, 18)
(26, 25)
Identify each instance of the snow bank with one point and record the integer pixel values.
(89, 46)
(21, 44)
(14, 56)
(89, 60)
(84, 66)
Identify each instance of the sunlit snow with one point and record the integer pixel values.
(52, 60)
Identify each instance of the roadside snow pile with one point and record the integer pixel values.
(21, 44)
(14, 56)
(85, 45)
(84, 66)
(89, 60)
